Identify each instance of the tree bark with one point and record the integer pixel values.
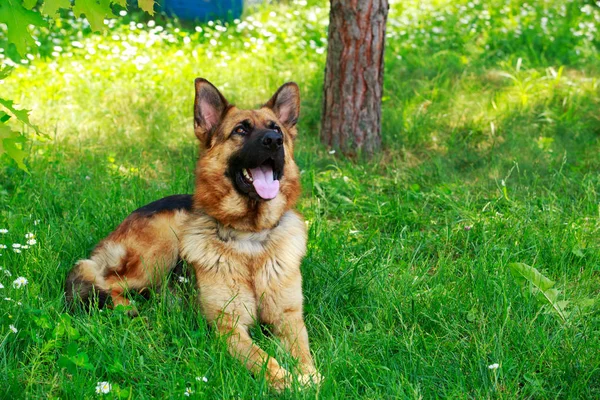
(351, 118)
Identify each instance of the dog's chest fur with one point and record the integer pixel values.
(257, 264)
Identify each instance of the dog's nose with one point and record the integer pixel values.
(273, 140)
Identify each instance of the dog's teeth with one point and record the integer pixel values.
(246, 174)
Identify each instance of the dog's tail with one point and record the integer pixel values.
(81, 286)
(85, 283)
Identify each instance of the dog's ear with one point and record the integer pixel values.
(285, 103)
(209, 109)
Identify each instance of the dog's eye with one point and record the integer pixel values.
(239, 130)
(276, 127)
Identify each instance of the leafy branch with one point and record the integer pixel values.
(18, 15)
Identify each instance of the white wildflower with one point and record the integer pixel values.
(103, 387)
(3, 246)
(31, 242)
(17, 250)
(183, 279)
(188, 392)
(203, 379)
(494, 366)
(20, 282)
(16, 245)
(25, 247)
(29, 235)
(3, 231)
(13, 329)
(1, 286)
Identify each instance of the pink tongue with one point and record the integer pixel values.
(265, 185)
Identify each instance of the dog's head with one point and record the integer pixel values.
(246, 176)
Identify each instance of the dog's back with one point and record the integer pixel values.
(136, 255)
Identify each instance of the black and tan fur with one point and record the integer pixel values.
(245, 251)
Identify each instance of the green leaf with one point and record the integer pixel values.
(95, 11)
(122, 3)
(4, 117)
(51, 7)
(14, 152)
(29, 4)
(72, 349)
(147, 5)
(125, 393)
(523, 273)
(65, 362)
(5, 71)
(6, 133)
(577, 251)
(21, 115)
(540, 286)
(17, 19)
(472, 315)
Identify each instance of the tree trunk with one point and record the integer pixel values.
(351, 119)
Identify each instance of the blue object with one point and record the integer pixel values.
(203, 10)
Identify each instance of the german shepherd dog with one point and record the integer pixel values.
(238, 231)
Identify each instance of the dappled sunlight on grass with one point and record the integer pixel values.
(491, 134)
(137, 80)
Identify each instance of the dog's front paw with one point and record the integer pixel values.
(310, 379)
(280, 380)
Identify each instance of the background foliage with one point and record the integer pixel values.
(17, 16)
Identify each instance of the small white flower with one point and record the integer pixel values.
(16, 245)
(31, 242)
(494, 366)
(25, 247)
(2, 246)
(1, 286)
(13, 329)
(7, 272)
(331, 151)
(203, 379)
(3, 231)
(19, 303)
(17, 250)
(188, 392)
(183, 279)
(20, 282)
(37, 221)
(103, 387)
(7, 299)
(29, 235)
(87, 178)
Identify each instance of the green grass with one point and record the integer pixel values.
(490, 124)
